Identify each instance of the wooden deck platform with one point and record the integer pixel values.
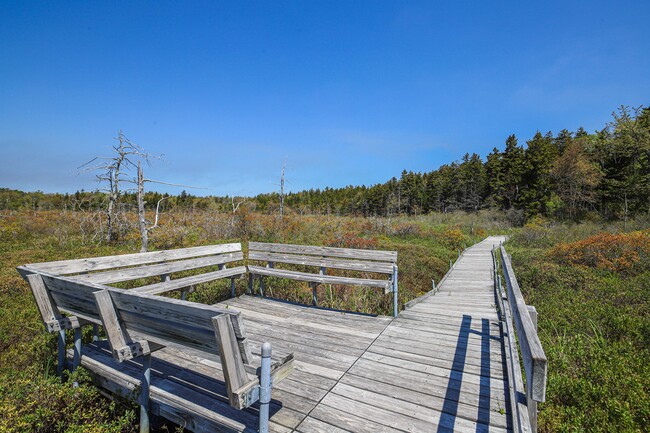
(438, 367)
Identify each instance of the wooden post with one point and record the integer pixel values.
(265, 388)
(395, 297)
(532, 311)
(61, 359)
(144, 393)
(314, 294)
(76, 360)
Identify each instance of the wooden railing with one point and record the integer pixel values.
(522, 319)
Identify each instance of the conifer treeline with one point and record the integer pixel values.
(567, 176)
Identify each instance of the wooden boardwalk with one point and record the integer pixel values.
(438, 367)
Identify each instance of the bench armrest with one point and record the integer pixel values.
(250, 392)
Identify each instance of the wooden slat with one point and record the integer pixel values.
(66, 267)
(44, 301)
(353, 265)
(126, 274)
(321, 279)
(349, 253)
(181, 283)
(233, 368)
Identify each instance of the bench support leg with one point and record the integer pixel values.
(144, 393)
(314, 294)
(95, 332)
(61, 359)
(76, 360)
(251, 277)
(265, 388)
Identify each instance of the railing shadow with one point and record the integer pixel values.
(452, 396)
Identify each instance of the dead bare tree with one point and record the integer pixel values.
(142, 221)
(111, 171)
(239, 203)
(284, 166)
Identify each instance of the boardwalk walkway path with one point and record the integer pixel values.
(438, 367)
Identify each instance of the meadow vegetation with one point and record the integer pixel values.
(590, 283)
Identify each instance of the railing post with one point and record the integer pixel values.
(144, 394)
(265, 388)
(395, 294)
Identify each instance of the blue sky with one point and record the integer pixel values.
(347, 92)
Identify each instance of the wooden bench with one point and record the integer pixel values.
(129, 267)
(137, 324)
(323, 258)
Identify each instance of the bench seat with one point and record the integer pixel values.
(182, 283)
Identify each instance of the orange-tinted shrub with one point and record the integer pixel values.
(351, 240)
(626, 252)
(454, 238)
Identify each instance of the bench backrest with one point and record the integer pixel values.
(124, 267)
(136, 323)
(161, 320)
(382, 262)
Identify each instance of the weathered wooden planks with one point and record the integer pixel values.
(181, 283)
(320, 279)
(126, 274)
(349, 253)
(66, 267)
(352, 264)
(437, 367)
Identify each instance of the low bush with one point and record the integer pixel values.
(627, 253)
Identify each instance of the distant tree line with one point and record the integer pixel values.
(567, 176)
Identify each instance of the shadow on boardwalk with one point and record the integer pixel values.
(450, 406)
